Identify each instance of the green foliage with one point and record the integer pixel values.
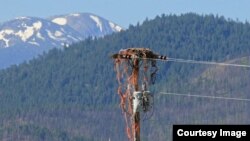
(70, 94)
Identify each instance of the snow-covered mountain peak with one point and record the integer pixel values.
(30, 36)
(36, 31)
(55, 31)
(87, 24)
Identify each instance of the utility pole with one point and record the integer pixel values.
(136, 114)
(135, 100)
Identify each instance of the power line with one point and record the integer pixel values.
(206, 62)
(200, 62)
(169, 59)
(205, 96)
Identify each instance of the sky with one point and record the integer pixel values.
(124, 12)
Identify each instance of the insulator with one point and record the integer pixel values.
(147, 101)
(137, 101)
(142, 101)
(162, 57)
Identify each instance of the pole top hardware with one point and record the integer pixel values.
(137, 53)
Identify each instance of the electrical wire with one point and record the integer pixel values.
(205, 96)
(199, 62)
(169, 59)
(206, 62)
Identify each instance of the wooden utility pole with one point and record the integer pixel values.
(140, 100)
(136, 115)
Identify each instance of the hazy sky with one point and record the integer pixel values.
(124, 12)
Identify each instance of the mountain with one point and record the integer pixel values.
(40, 35)
(30, 31)
(71, 94)
(87, 24)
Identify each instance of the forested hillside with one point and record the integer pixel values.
(70, 94)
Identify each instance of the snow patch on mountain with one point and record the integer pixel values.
(51, 35)
(39, 35)
(75, 14)
(29, 31)
(6, 42)
(115, 27)
(97, 21)
(23, 34)
(73, 38)
(4, 33)
(60, 21)
(34, 43)
(21, 18)
(58, 33)
(57, 36)
(37, 25)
